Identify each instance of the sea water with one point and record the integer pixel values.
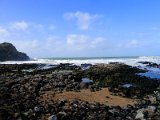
(132, 61)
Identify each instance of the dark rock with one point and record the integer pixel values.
(53, 117)
(85, 66)
(8, 53)
(21, 97)
(158, 98)
(61, 115)
(156, 117)
(38, 109)
(84, 85)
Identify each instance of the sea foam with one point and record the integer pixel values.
(133, 61)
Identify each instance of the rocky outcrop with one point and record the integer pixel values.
(9, 53)
(21, 94)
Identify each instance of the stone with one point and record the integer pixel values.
(140, 116)
(156, 117)
(158, 98)
(53, 117)
(83, 85)
(152, 99)
(38, 109)
(16, 115)
(151, 110)
(62, 113)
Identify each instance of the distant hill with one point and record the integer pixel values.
(8, 52)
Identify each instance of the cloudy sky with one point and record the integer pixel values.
(76, 28)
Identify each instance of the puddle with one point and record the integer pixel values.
(128, 85)
(87, 80)
(29, 70)
(150, 74)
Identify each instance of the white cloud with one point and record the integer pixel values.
(97, 42)
(73, 42)
(73, 39)
(25, 45)
(83, 42)
(33, 47)
(22, 25)
(129, 44)
(3, 32)
(43, 27)
(83, 19)
(54, 44)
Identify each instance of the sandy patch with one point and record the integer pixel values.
(103, 96)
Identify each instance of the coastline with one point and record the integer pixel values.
(56, 91)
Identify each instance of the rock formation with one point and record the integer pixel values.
(9, 53)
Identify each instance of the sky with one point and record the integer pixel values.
(81, 28)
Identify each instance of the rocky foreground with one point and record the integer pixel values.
(32, 92)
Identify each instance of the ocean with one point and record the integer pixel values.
(132, 61)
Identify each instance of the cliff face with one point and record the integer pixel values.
(9, 53)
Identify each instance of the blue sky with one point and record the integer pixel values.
(76, 28)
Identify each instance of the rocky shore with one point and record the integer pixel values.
(24, 90)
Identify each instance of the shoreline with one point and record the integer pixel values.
(28, 91)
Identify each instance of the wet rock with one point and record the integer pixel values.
(84, 85)
(158, 98)
(85, 66)
(4, 89)
(38, 109)
(53, 117)
(61, 115)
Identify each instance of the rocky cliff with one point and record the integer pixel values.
(8, 52)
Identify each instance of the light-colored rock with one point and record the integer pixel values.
(62, 113)
(152, 99)
(140, 116)
(151, 110)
